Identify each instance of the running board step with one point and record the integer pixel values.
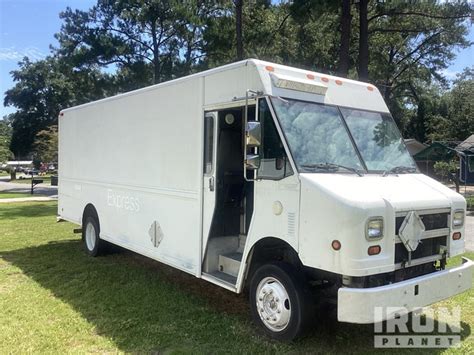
(230, 263)
(228, 279)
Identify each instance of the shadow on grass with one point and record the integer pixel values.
(143, 305)
(21, 210)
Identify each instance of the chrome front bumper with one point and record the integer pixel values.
(358, 305)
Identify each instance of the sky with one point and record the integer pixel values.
(27, 28)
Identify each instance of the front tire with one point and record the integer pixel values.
(90, 236)
(279, 301)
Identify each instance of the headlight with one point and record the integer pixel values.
(374, 229)
(458, 218)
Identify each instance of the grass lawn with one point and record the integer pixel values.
(470, 202)
(54, 298)
(13, 194)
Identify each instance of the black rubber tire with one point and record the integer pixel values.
(300, 300)
(99, 244)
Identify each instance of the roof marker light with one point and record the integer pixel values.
(270, 68)
(325, 79)
(310, 76)
(370, 88)
(338, 82)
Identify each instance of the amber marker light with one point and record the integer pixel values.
(374, 250)
(456, 235)
(270, 68)
(336, 245)
(339, 82)
(310, 76)
(370, 88)
(326, 80)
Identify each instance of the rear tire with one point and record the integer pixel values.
(90, 235)
(280, 302)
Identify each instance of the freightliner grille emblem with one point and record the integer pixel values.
(411, 231)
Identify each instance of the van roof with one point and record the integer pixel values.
(266, 69)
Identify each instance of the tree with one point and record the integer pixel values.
(344, 51)
(5, 137)
(161, 35)
(238, 29)
(363, 59)
(460, 116)
(45, 146)
(42, 89)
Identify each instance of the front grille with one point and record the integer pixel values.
(427, 247)
(437, 224)
(431, 221)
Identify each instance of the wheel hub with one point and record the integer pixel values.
(273, 304)
(90, 236)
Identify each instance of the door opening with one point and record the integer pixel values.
(233, 205)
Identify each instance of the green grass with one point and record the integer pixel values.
(470, 202)
(7, 194)
(54, 298)
(13, 194)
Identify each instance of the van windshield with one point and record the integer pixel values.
(328, 138)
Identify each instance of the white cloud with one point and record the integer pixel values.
(13, 53)
(449, 74)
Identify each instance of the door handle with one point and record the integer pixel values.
(211, 183)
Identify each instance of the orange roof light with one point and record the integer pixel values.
(370, 88)
(270, 68)
(325, 79)
(338, 82)
(310, 76)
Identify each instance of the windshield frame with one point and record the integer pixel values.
(365, 170)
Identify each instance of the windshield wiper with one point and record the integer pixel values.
(399, 170)
(330, 166)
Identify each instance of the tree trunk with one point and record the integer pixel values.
(363, 65)
(238, 29)
(345, 37)
(156, 54)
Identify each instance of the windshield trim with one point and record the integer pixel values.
(365, 170)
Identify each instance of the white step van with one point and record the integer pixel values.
(292, 184)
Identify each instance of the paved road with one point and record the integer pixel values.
(40, 189)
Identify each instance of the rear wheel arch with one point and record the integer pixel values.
(90, 211)
(93, 244)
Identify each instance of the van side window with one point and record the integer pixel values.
(274, 161)
(208, 144)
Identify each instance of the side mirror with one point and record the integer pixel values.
(252, 161)
(253, 134)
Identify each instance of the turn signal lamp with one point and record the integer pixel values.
(336, 245)
(374, 250)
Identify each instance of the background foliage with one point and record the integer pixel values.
(117, 46)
